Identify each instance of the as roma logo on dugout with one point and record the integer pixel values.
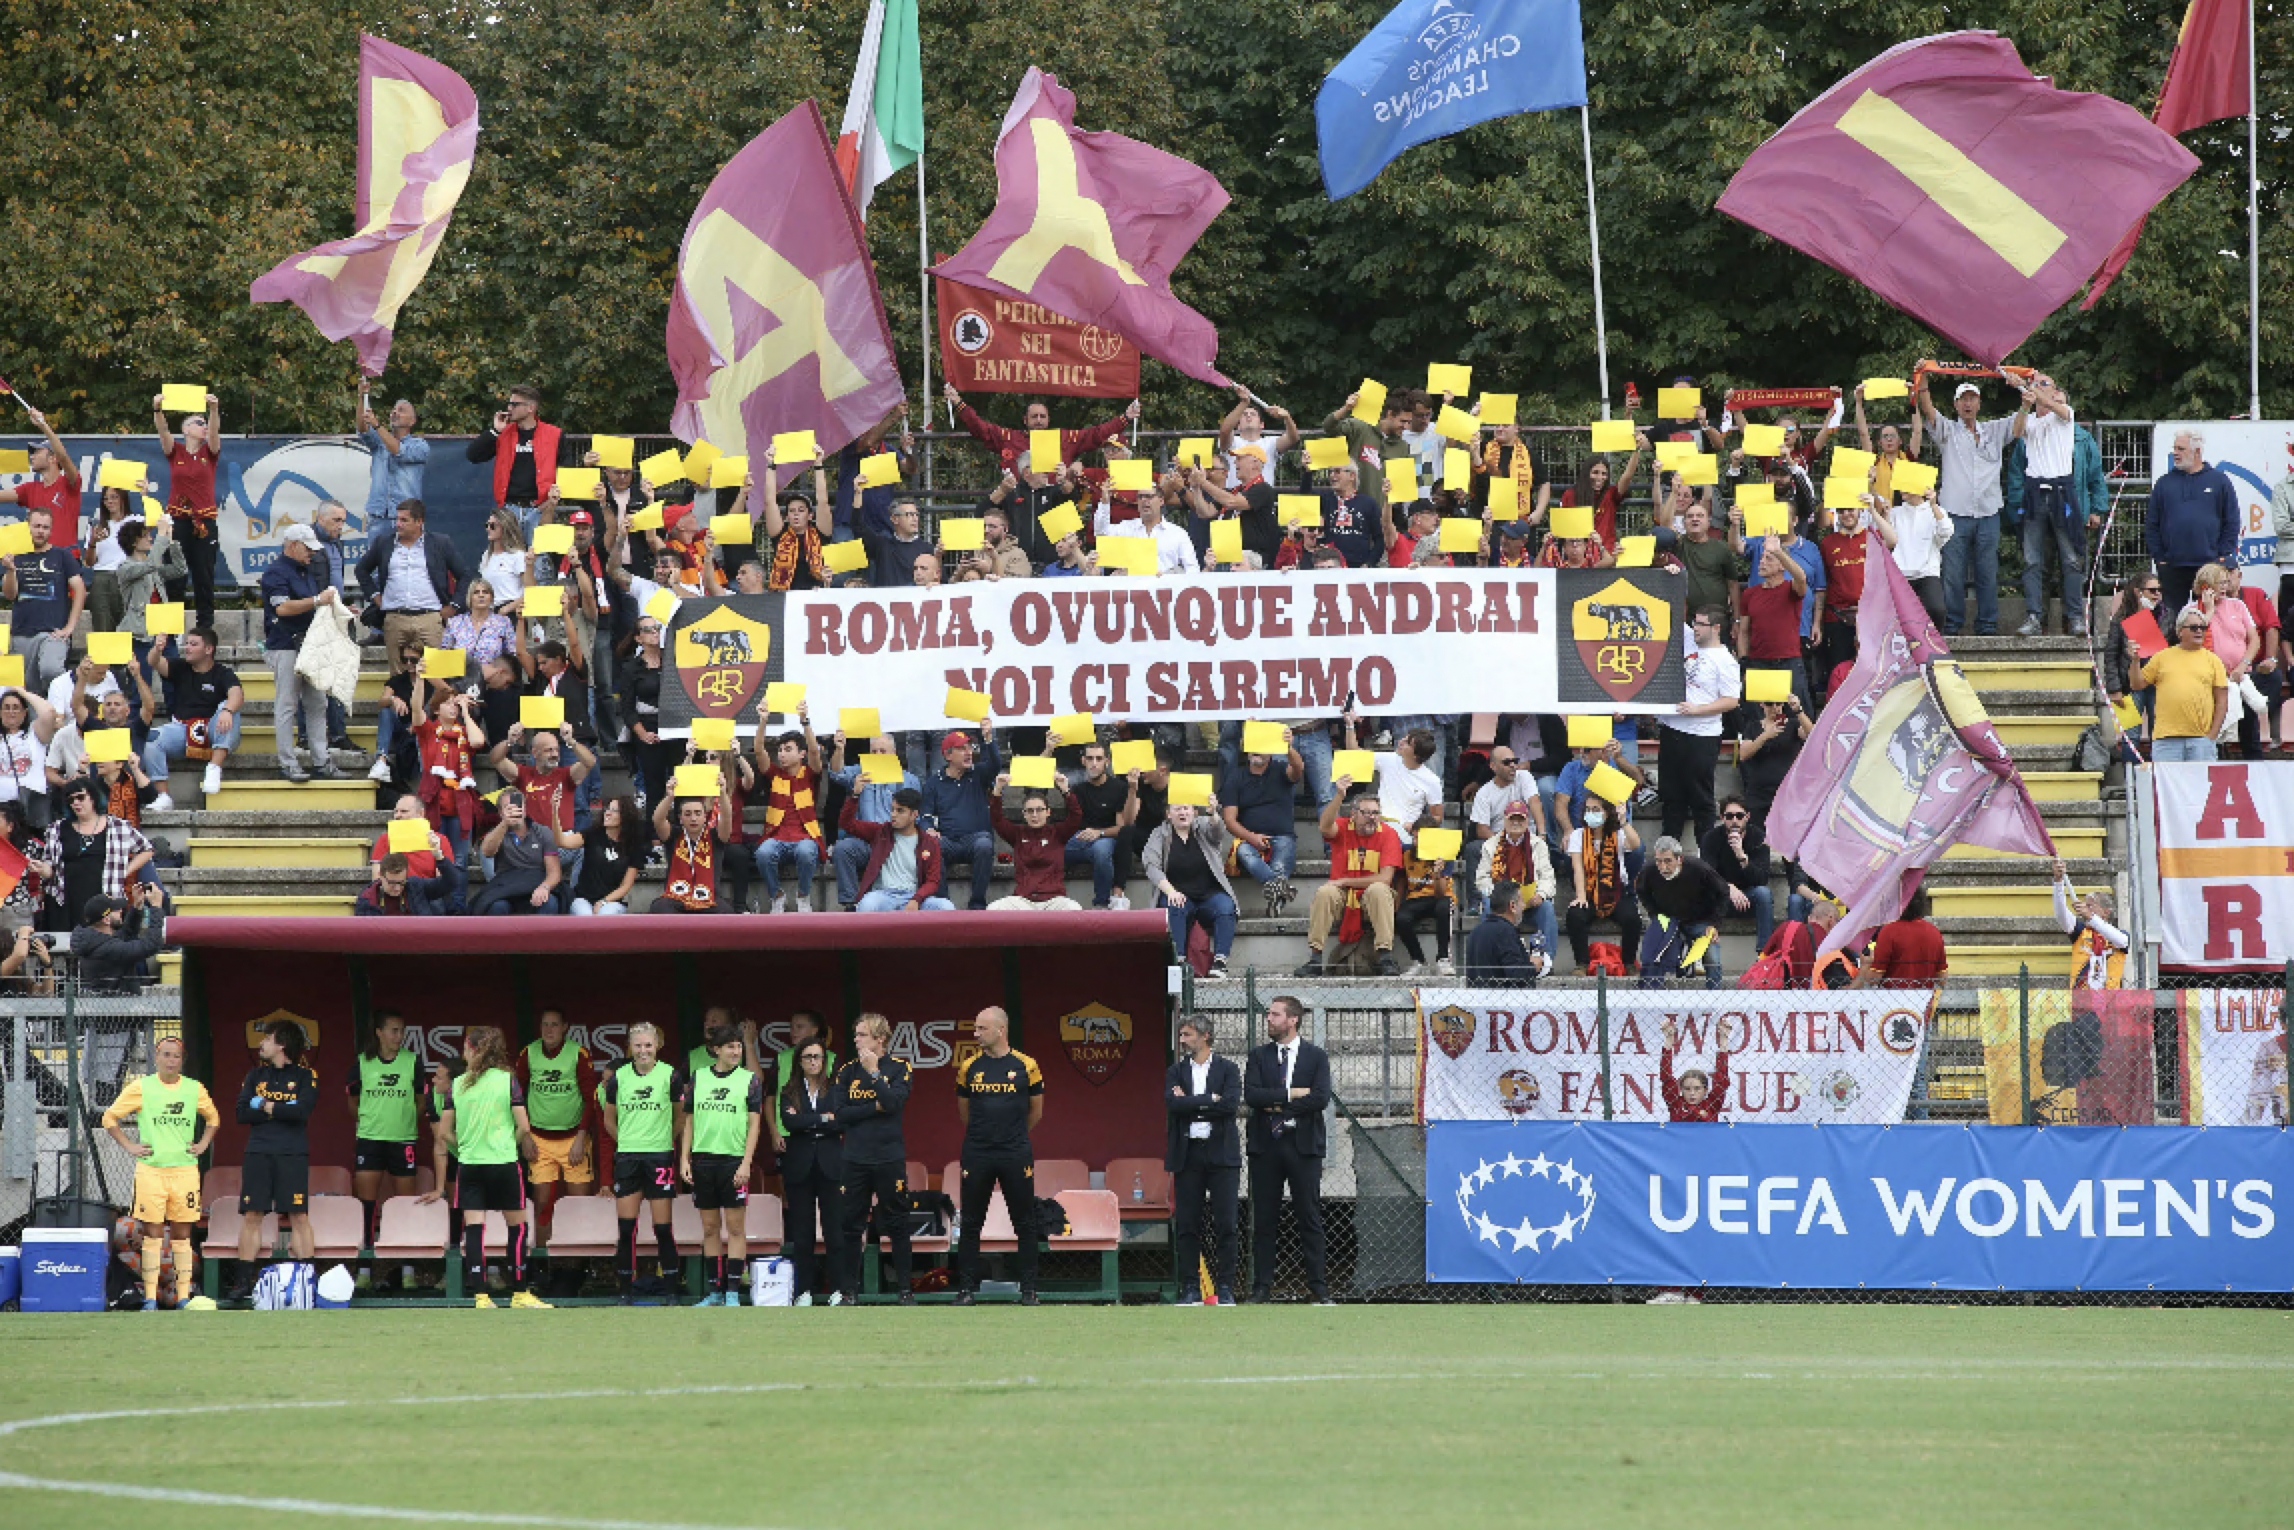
(1096, 1039)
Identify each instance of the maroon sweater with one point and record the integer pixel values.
(1039, 856)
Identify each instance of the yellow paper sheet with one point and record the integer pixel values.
(1671, 454)
(647, 519)
(1763, 440)
(783, 696)
(1326, 452)
(445, 664)
(964, 535)
(1443, 377)
(1460, 535)
(1573, 521)
(14, 461)
(791, 447)
(1678, 403)
(1842, 493)
(728, 472)
(1359, 766)
(183, 398)
(1636, 552)
(1370, 401)
(1703, 468)
(1505, 499)
(109, 746)
(882, 769)
(1769, 520)
(108, 648)
(1914, 478)
(15, 539)
(1131, 754)
(1073, 728)
(151, 511)
(713, 733)
(542, 600)
(733, 530)
(859, 722)
(1043, 451)
(1766, 685)
(408, 836)
(1612, 435)
(541, 714)
(1457, 468)
(1609, 783)
(578, 485)
(662, 469)
(1226, 541)
(1849, 462)
(661, 605)
(553, 540)
(1034, 770)
(1131, 474)
(1454, 424)
(1401, 479)
(845, 557)
(1500, 408)
(1198, 451)
(165, 619)
(697, 781)
(1590, 732)
(1440, 844)
(1885, 387)
(11, 671)
(700, 463)
(967, 706)
(1133, 555)
(1190, 789)
(121, 473)
(880, 471)
(1754, 492)
(1060, 522)
(614, 451)
(1264, 738)
(1299, 509)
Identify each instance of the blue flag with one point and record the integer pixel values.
(1437, 67)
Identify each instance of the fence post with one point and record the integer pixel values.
(73, 1104)
(1601, 1024)
(2023, 1037)
(1250, 998)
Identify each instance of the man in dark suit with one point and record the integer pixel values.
(410, 580)
(1204, 1094)
(1287, 1088)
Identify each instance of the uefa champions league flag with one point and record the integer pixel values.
(417, 133)
(1437, 67)
(1903, 765)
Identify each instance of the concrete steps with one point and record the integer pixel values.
(279, 853)
(268, 793)
(253, 906)
(261, 688)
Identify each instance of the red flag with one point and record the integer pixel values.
(1090, 225)
(1962, 190)
(12, 867)
(2206, 81)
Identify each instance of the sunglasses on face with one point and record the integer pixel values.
(1733, 817)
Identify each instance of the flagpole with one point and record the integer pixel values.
(2253, 233)
(1593, 229)
(924, 286)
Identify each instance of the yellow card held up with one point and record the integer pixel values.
(1326, 452)
(1612, 435)
(1442, 377)
(1264, 738)
(1609, 783)
(1500, 408)
(791, 447)
(14, 461)
(1671, 454)
(1131, 474)
(880, 471)
(121, 473)
(164, 619)
(1848, 462)
(408, 836)
(578, 483)
(1073, 728)
(1914, 478)
(1457, 468)
(1505, 499)
(1754, 492)
(1843, 493)
(1359, 766)
(15, 539)
(783, 696)
(964, 535)
(541, 714)
(1637, 552)
(1226, 541)
(701, 462)
(109, 746)
(726, 472)
(12, 671)
(555, 541)
(845, 557)
(444, 664)
(1131, 754)
(662, 468)
(697, 781)
(647, 519)
(1401, 479)
(614, 451)
(1767, 685)
(1456, 425)
(1440, 844)
(1885, 387)
(1033, 770)
(1198, 451)
(1043, 451)
(1574, 522)
(1190, 789)
(151, 511)
(859, 722)
(1299, 509)
(967, 706)
(713, 733)
(1369, 403)
(1703, 468)
(1678, 403)
(1460, 535)
(1590, 732)
(661, 605)
(1133, 555)
(1060, 522)
(1763, 440)
(734, 529)
(542, 600)
(109, 648)
(882, 769)
(1770, 520)
(182, 398)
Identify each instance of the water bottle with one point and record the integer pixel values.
(1138, 1188)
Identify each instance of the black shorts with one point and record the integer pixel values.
(652, 1175)
(374, 1156)
(279, 1182)
(491, 1187)
(713, 1187)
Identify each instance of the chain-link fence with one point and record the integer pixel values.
(64, 1057)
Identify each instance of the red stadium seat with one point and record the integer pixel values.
(1094, 1222)
(330, 1179)
(919, 1177)
(222, 1240)
(584, 1227)
(221, 1181)
(997, 1235)
(1052, 1175)
(762, 1223)
(411, 1229)
(685, 1225)
(338, 1226)
(497, 1235)
(1152, 1179)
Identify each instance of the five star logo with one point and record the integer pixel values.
(764, 316)
(1526, 1234)
(1065, 219)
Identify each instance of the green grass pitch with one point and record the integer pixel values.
(1769, 1416)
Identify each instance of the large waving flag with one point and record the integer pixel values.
(1903, 765)
(417, 134)
(1433, 68)
(1090, 226)
(1962, 190)
(776, 324)
(883, 128)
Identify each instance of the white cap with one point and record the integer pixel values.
(1967, 387)
(303, 534)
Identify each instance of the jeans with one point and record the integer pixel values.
(848, 858)
(1265, 868)
(2046, 526)
(1763, 901)
(1217, 913)
(528, 516)
(1313, 746)
(2167, 750)
(1548, 923)
(1973, 549)
(1100, 853)
(173, 738)
(977, 851)
(155, 759)
(890, 900)
(802, 855)
(585, 907)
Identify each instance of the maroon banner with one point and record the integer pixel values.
(990, 343)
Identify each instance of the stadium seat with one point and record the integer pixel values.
(1154, 1184)
(497, 1235)
(997, 1235)
(338, 1226)
(919, 1177)
(220, 1182)
(1095, 1223)
(685, 1225)
(223, 1230)
(762, 1223)
(411, 1229)
(1053, 1175)
(330, 1179)
(584, 1227)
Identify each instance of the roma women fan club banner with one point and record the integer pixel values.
(2226, 866)
(1788, 1057)
(1192, 649)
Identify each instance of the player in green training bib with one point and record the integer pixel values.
(717, 1145)
(484, 1123)
(639, 1102)
(386, 1091)
(175, 1122)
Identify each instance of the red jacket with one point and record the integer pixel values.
(1008, 443)
(1716, 1095)
(879, 837)
(545, 461)
(1039, 856)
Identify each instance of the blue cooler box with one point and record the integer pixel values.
(63, 1268)
(11, 1276)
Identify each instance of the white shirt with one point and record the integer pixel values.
(643, 590)
(1404, 793)
(1286, 1052)
(1265, 443)
(1174, 553)
(1492, 800)
(60, 693)
(1199, 1073)
(406, 582)
(1712, 673)
(105, 555)
(21, 759)
(2046, 445)
(1921, 531)
(505, 572)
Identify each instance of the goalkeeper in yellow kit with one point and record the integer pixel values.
(175, 1122)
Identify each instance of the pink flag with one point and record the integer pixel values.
(1903, 764)
(1090, 225)
(776, 324)
(417, 133)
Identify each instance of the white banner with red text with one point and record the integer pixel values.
(2233, 1057)
(1539, 1055)
(2226, 866)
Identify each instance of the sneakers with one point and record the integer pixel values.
(163, 803)
(212, 781)
(1227, 1299)
(344, 742)
(380, 771)
(1218, 966)
(963, 1299)
(1445, 968)
(1413, 969)
(326, 769)
(527, 1301)
(713, 1299)
(1667, 1299)
(291, 769)
(800, 903)
(482, 1303)
(1189, 1299)
(1311, 967)
(804, 1299)
(2031, 627)
(151, 1304)
(844, 1299)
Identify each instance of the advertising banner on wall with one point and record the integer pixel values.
(2226, 865)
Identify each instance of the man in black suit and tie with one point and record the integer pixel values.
(1287, 1087)
(1204, 1094)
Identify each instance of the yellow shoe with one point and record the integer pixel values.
(483, 1303)
(527, 1299)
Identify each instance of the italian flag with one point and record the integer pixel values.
(884, 117)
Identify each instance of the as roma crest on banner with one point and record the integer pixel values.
(722, 651)
(1451, 1029)
(1097, 1040)
(1624, 631)
(262, 1023)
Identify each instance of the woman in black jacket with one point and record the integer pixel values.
(650, 755)
(2139, 593)
(812, 1165)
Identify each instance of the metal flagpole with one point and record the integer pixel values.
(2253, 232)
(1593, 229)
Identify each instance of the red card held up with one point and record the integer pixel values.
(2143, 627)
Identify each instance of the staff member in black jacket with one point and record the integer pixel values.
(275, 1103)
(812, 1168)
(1203, 1093)
(999, 1098)
(870, 1095)
(1287, 1087)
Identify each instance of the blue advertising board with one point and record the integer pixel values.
(1904, 1207)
